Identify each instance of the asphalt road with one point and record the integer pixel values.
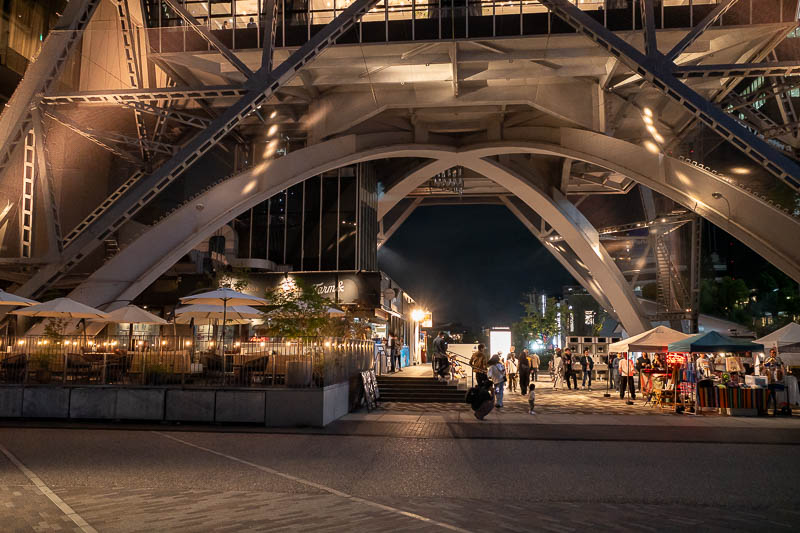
(114, 480)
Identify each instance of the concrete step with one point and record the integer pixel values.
(422, 399)
(418, 389)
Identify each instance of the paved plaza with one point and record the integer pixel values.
(163, 480)
(549, 401)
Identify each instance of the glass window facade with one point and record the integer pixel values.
(23, 26)
(239, 23)
(325, 223)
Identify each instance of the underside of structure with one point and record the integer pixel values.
(610, 130)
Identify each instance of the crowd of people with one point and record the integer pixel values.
(496, 373)
(562, 369)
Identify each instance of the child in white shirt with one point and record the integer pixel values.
(532, 397)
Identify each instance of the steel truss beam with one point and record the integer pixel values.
(259, 89)
(15, 121)
(118, 96)
(658, 71)
(698, 29)
(270, 12)
(738, 70)
(134, 68)
(26, 209)
(209, 37)
(48, 188)
(776, 90)
(170, 114)
(97, 139)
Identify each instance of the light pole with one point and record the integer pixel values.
(720, 196)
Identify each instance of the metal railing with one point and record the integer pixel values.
(306, 362)
(413, 20)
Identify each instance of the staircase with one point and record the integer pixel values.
(415, 389)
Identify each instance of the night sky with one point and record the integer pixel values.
(470, 264)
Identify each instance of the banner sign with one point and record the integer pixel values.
(674, 359)
(362, 288)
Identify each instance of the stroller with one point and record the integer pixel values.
(481, 399)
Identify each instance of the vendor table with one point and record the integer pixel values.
(734, 400)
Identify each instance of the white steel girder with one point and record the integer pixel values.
(767, 230)
(142, 263)
(15, 121)
(137, 194)
(660, 72)
(563, 254)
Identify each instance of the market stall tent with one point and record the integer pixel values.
(654, 340)
(787, 342)
(711, 341)
(788, 334)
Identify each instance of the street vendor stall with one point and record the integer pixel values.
(653, 341)
(722, 384)
(786, 343)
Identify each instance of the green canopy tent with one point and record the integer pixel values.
(711, 342)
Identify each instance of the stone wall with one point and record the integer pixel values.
(271, 407)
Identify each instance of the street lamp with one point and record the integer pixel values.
(417, 315)
(720, 196)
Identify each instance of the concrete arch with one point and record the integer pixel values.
(767, 230)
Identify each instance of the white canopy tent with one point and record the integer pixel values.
(654, 340)
(787, 341)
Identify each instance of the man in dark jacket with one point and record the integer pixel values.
(524, 369)
(441, 365)
(587, 366)
(569, 372)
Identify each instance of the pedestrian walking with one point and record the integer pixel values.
(478, 363)
(511, 370)
(558, 370)
(587, 366)
(535, 362)
(441, 364)
(626, 372)
(613, 370)
(497, 374)
(394, 352)
(524, 368)
(532, 398)
(643, 363)
(569, 372)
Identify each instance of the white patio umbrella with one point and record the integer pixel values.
(6, 298)
(224, 297)
(132, 314)
(213, 312)
(62, 308)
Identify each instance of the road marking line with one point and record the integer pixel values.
(319, 486)
(44, 489)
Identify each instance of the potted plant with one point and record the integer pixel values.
(39, 364)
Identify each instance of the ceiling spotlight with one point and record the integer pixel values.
(273, 114)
